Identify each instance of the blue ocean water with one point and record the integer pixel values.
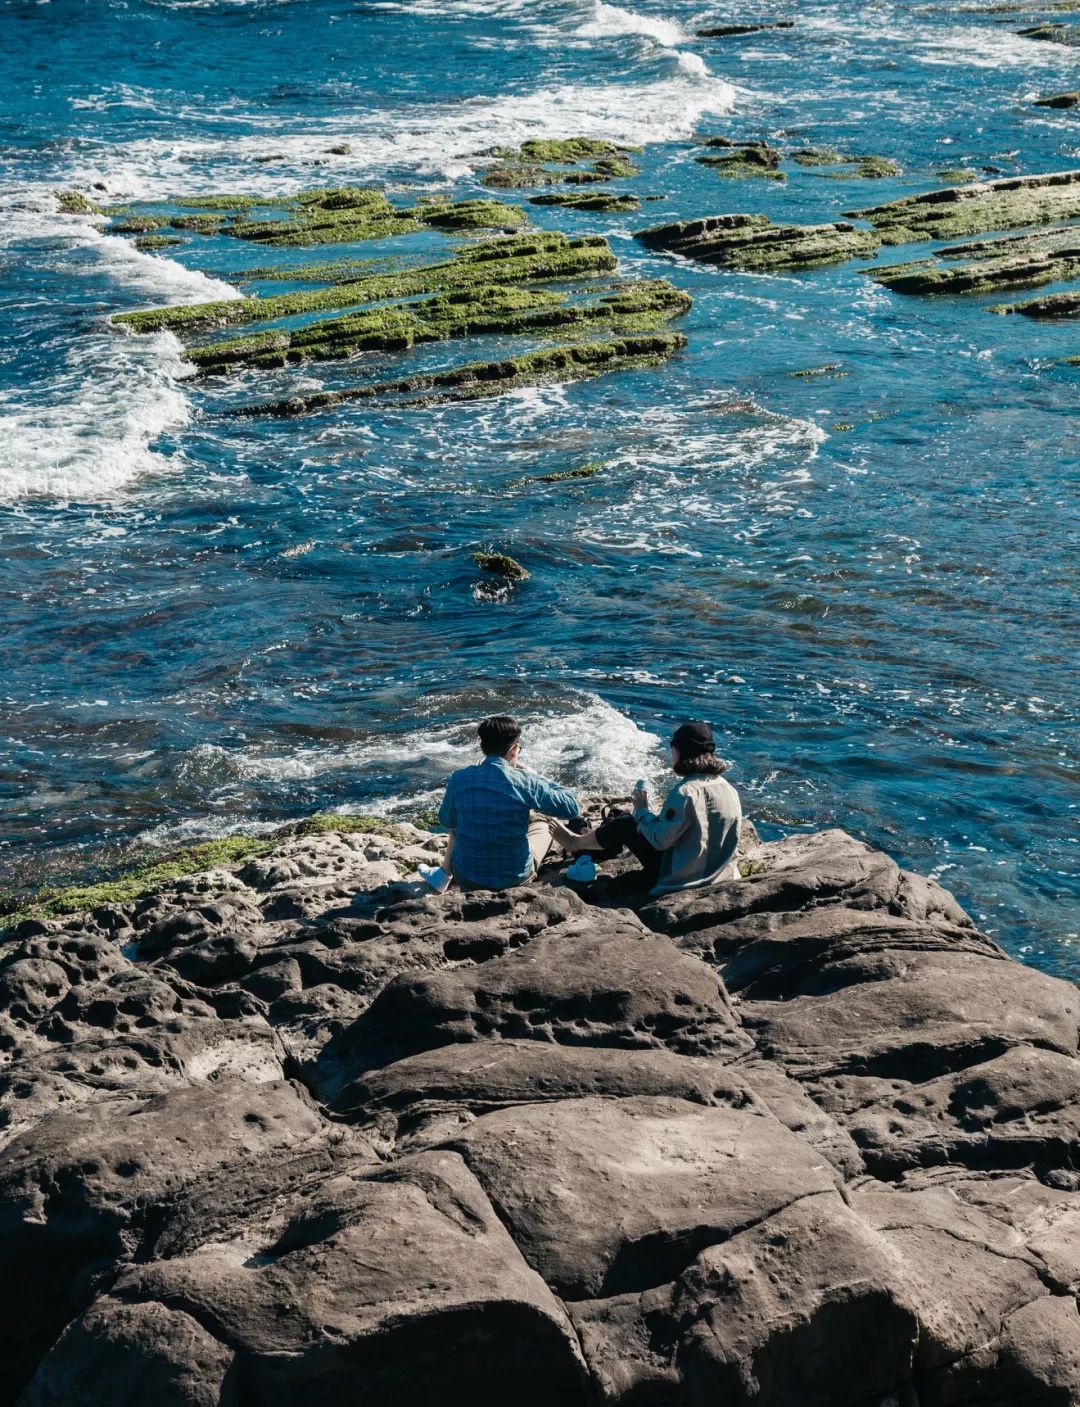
(862, 579)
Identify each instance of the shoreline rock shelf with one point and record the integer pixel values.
(979, 208)
(294, 1128)
(754, 244)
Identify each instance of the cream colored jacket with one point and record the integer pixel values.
(697, 833)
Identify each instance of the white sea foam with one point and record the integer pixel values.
(441, 140)
(589, 746)
(611, 21)
(85, 430)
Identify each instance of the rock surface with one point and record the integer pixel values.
(299, 1130)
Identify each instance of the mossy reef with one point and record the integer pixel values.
(476, 380)
(980, 208)
(561, 161)
(536, 284)
(754, 244)
(984, 266)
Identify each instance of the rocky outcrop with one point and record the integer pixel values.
(983, 266)
(296, 1129)
(978, 208)
(754, 243)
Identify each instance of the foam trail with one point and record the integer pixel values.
(592, 748)
(441, 141)
(611, 21)
(86, 429)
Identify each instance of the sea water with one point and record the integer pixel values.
(861, 578)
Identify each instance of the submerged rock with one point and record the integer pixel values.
(1053, 33)
(298, 1127)
(500, 565)
(754, 243)
(746, 159)
(603, 200)
(1062, 100)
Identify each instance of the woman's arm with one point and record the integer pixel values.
(664, 830)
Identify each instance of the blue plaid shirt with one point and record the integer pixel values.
(488, 807)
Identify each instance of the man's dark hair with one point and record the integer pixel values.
(498, 735)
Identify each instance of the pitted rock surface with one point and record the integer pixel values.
(300, 1130)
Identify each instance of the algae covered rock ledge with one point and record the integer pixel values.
(292, 1126)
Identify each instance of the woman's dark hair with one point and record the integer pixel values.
(498, 735)
(706, 764)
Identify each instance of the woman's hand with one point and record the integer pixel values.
(640, 797)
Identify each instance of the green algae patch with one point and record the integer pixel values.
(561, 476)
(1054, 305)
(832, 371)
(507, 310)
(478, 380)
(985, 266)
(980, 208)
(351, 214)
(75, 203)
(139, 224)
(227, 201)
(500, 565)
(604, 201)
(818, 156)
(529, 164)
(198, 224)
(148, 243)
(745, 161)
(151, 874)
(537, 257)
(754, 244)
(957, 174)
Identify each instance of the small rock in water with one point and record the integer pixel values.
(500, 565)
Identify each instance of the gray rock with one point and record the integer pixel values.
(398, 1286)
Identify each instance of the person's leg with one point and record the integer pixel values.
(539, 838)
(609, 839)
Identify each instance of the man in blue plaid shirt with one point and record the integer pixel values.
(495, 840)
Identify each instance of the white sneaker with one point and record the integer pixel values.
(436, 876)
(583, 870)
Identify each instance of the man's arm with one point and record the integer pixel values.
(448, 809)
(548, 798)
(664, 830)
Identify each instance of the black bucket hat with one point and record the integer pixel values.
(693, 738)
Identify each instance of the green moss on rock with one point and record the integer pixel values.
(754, 243)
(75, 203)
(747, 160)
(477, 380)
(1053, 305)
(507, 310)
(148, 243)
(152, 873)
(139, 224)
(1025, 261)
(958, 174)
(818, 156)
(501, 565)
(832, 371)
(605, 201)
(535, 257)
(583, 471)
(957, 211)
